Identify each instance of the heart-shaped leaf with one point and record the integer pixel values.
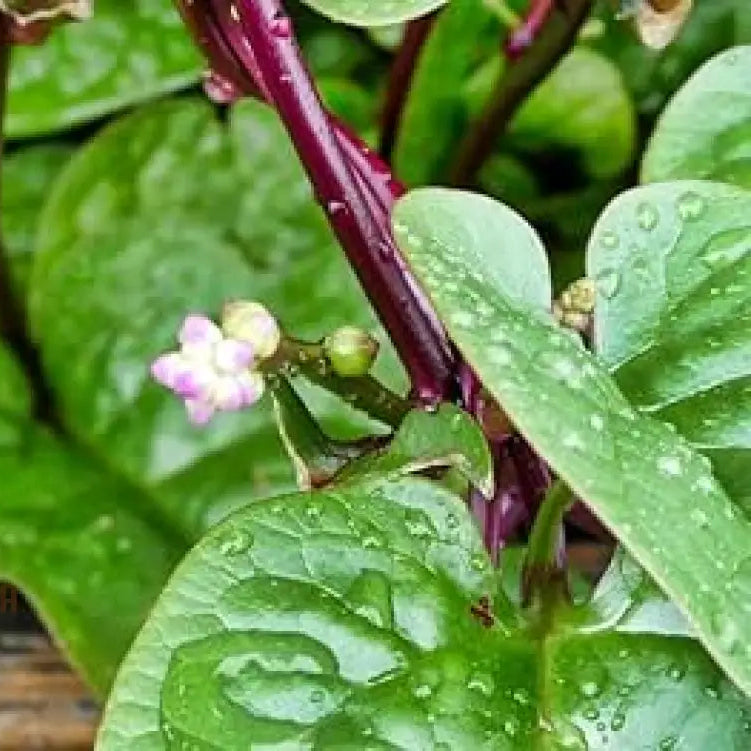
(705, 132)
(195, 214)
(374, 12)
(645, 482)
(343, 620)
(128, 52)
(673, 316)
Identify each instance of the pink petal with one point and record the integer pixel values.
(199, 412)
(199, 330)
(167, 368)
(252, 387)
(232, 356)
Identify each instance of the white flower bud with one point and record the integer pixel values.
(252, 323)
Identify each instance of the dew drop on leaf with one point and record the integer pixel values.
(608, 283)
(647, 216)
(690, 206)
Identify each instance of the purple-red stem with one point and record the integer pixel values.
(252, 43)
(251, 49)
(521, 38)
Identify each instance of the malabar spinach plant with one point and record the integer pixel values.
(296, 455)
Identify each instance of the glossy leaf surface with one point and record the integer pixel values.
(646, 483)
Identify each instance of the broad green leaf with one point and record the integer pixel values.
(705, 132)
(130, 51)
(583, 105)
(373, 12)
(498, 242)
(673, 264)
(81, 545)
(425, 440)
(195, 214)
(28, 176)
(644, 481)
(342, 620)
(435, 113)
(15, 397)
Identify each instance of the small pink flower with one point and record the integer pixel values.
(210, 372)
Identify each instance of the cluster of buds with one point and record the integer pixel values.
(576, 304)
(216, 367)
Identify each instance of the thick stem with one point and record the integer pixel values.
(400, 79)
(515, 85)
(364, 393)
(351, 184)
(13, 321)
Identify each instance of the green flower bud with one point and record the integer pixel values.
(351, 351)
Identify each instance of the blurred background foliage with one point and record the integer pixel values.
(123, 213)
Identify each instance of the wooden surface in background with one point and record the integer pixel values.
(43, 705)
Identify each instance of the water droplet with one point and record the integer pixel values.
(511, 727)
(610, 239)
(482, 683)
(591, 713)
(590, 689)
(423, 691)
(647, 216)
(670, 465)
(700, 517)
(608, 283)
(236, 543)
(596, 422)
(617, 722)
(690, 206)
(281, 26)
(520, 696)
(452, 521)
(676, 672)
(668, 743)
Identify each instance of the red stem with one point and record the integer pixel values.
(252, 45)
(524, 35)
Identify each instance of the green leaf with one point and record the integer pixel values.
(194, 215)
(435, 113)
(315, 457)
(448, 437)
(342, 620)
(27, 177)
(705, 132)
(672, 316)
(15, 397)
(644, 481)
(373, 12)
(582, 105)
(81, 545)
(497, 241)
(130, 51)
